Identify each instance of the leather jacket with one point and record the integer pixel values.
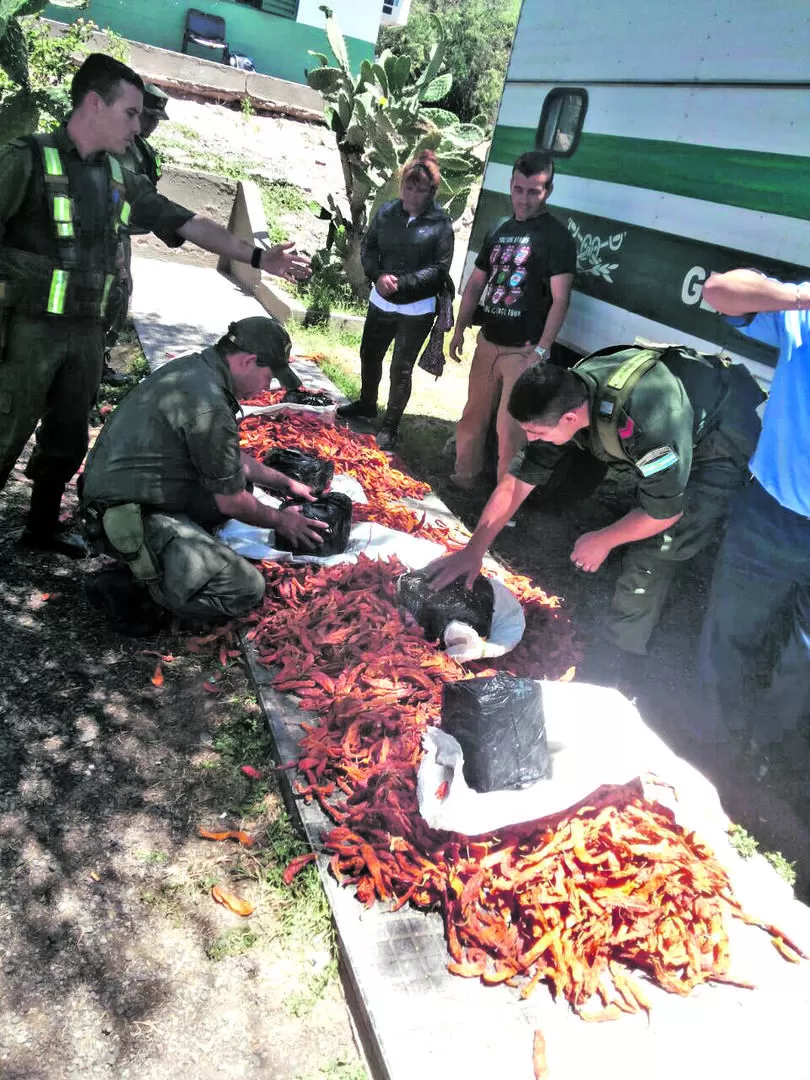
(418, 254)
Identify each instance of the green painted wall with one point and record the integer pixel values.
(277, 46)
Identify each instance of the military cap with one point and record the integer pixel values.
(154, 100)
(269, 341)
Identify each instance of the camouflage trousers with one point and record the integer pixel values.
(50, 368)
(200, 576)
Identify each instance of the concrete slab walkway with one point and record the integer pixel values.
(178, 308)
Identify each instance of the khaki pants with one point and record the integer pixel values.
(493, 373)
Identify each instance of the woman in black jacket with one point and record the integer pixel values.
(406, 254)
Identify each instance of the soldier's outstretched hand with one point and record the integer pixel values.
(301, 530)
(449, 568)
(282, 260)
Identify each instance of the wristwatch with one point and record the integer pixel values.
(542, 354)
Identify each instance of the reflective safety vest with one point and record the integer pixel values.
(62, 207)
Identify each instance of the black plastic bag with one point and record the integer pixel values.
(499, 723)
(335, 509)
(318, 399)
(433, 609)
(313, 471)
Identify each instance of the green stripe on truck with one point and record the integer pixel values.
(770, 183)
(654, 274)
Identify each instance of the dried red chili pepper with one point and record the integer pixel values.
(232, 902)
(227, 834)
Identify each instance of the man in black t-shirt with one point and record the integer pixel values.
(522, 281)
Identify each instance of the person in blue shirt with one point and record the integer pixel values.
(755, 646)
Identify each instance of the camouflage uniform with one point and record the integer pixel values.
(687, 430)
(170, 446)
(143, 160)
(60, 252)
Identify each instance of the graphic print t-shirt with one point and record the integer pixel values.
(519, 258)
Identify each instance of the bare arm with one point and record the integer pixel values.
(592, 548)
(274, 480)
(745, 292)
(469, 302)
(503, 502)
(282, 260)
(560, 297)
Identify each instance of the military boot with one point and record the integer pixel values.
(125, 603)
(44, 531)
(111, 377)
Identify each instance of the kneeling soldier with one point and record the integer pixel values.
(167, 469)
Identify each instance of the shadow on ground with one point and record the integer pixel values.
(106, 921)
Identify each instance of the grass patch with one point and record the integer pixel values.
(742, 841)
(746, 846)
(347, 383)
(296, 915)
(173, 133)
(135, 365)
(337, 1069)
(785, 869)
(232, 943)
(152, 858)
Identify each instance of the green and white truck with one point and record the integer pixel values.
(681, 139)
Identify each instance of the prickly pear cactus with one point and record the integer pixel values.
(19, 110)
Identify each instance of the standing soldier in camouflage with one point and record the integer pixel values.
(142, 158)
(65, 202)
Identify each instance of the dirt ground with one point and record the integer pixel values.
(114, 960)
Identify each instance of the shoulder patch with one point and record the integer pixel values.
(663, 457)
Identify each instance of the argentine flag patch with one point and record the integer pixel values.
(663, 457)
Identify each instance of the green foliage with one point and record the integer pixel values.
(232, 943)
(381, 118)
(478, 41)
(785, 869)
(746, 846)
(36, 66)
(337, 1069)
(742, 841)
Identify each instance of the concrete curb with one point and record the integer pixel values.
(219, 82)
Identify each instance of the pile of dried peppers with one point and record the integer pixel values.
(612, 886)
(357, 455)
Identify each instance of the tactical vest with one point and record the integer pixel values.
(153, 167)
(633, 364)
(51, 264)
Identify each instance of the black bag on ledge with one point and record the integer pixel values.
(433, 609)
(498, 722)
(313, 471)
(336, 510)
